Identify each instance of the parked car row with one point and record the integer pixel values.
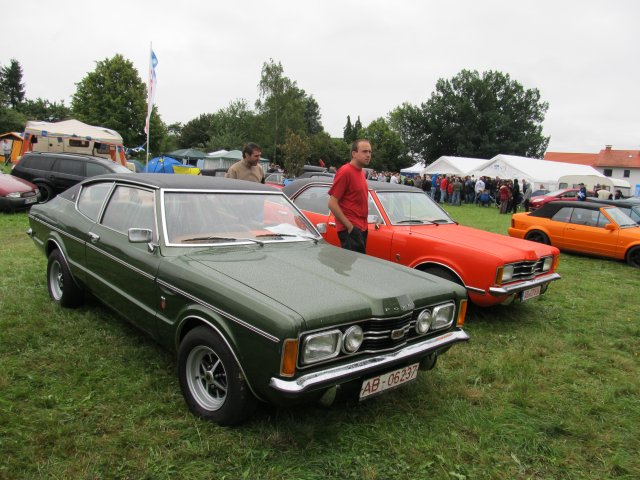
(221, 271)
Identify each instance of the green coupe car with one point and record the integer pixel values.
(234, 278)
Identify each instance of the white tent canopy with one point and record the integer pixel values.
(455, 165)
(73, 129)
(538, 172)
(414, 169)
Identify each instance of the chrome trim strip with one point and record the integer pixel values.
(343, 373)
(218, 311)
(121, 262)
(510, 289)
(61, 232)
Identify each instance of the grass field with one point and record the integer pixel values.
(548, 389)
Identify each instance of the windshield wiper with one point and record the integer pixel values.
(275, 235)
(212, 239)
(410, 220)
(222, 239)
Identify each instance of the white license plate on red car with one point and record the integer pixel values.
(530, 293)
(388, 380)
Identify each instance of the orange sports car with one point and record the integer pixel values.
(408, 228)
(583, 227)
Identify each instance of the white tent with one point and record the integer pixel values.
(455, 165)
(413, 170)
(73, 129)
(538, 172)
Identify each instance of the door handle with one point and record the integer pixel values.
(94, 237)
(332, 224)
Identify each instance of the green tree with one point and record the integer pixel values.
(282, 106)
(11, 84)
(196, 133)
(348, 131)
(389, 153)
(232, 127)
(11, 120)
(296, 150)
(406, 120)
(113, 96)
(41, 109)
(333, 151)
(475, 115)
(357, 130)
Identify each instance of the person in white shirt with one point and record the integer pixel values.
(479, 188)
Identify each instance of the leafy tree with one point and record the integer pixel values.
(389, 153)
(312, 120)
(282, 106)
(11, 120)
(295, 149)
(406, 120)
(478, 116)
(113, 96)
(11, 84)
(196, 133)
(232, 127)
(41, 109)
(333, 151)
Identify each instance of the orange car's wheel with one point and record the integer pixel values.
(633, 257)
(537, 236)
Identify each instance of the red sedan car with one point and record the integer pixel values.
(407, 227)
(16, 193)
(562, 194)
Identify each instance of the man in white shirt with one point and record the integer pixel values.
(479, 188)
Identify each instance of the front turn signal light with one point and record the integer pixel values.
(289, 357)
(462, 313)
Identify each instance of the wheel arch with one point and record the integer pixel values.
(194, 320)
(431, 265)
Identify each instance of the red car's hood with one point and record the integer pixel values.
(503, 247)
(10, 184)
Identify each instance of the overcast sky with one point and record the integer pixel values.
(355, 57)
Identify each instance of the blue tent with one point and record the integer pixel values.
(161, 165)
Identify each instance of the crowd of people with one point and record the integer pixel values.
(508, 195)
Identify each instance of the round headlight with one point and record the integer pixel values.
(352, 339)
(423, 322)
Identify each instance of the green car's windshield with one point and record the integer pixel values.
(217, 218)
(411, 208)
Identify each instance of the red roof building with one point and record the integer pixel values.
(622, 164)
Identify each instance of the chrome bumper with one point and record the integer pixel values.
(519, 287)
(343, 373)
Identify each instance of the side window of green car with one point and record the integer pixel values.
(130, 207)
(91, 199)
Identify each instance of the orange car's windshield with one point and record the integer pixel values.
(622, 219)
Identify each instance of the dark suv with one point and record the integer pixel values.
(53, 173)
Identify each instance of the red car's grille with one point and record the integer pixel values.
(527, 269)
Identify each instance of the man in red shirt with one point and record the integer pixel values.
(348, 198)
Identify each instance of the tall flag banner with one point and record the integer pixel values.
(153, 61)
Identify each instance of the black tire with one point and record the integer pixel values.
(537, 236)
(633, 257)
(211, 380)
(46, 192)
(62, 288)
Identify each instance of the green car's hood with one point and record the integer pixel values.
(326, 285)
